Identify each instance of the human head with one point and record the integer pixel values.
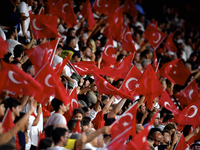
(71, 32)
(30, 70)
(157, 136)
(87, 52)
(2, 108)
(59, 50)
(142, 108)
(58, 105)
(48, 131)
(45, 143)
(78, 114)
(84, 39)
(60, 136)
(170, 128)
(145, 63)
(17, 63)
(12, 33)
(166, 137)
(18, 51)
(8, 57)
(76, 57)
(163, 84)
(14, 105)
(71, 41)
(71, 124)
(86, 122)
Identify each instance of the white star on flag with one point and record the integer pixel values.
(113, 56)
(112, 66)
(137, 85)
(125, 124)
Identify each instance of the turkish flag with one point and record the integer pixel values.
(175, 71)
(155, 62)
(77, 128)
(118, 70)
(86, 12)
(84, 67)
(128, 119)
(44, 26)
(64, 10)
(189, 115)
(98, 121)
(141, 138)
(148, 83)
(36, 54)
(41, 136)
(106, 88)
(73, 104)
(129, 7)
(3, 76)
(131, 79)
(20, 82)
(120, 140)
(52, 83)
(169, 44)
(154, 36)
(59, 67)
(3, 47)
(7, 122)
(181, 145)
(116, 24)
(106, 7)
(127, 41)
(167, 103)
(190, 92)
(109, 52)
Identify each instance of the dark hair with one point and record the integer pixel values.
(154, 130)
(15, 62)
(56, 104)
(76, 54)
(69, 39)
(78, 110)
(85, 109)
(45, 143)
(86, 120)
(169, 127)
(126, 105)
(12, 102)
(167, 117)
(18, 50)
(57, 133)
(70, 30)
(10, 32)
(59, 46)
(7, 56)
(71, 124)
(48, 131)
(119, 57)
(103, 41)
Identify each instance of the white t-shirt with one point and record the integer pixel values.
(68, 70)
(92, 114)
(2, 34)
(89, 146)
(24, 8)
(12, 44)
(57, 60)
(54, 119)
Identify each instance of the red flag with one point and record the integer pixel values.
(52, 83)
(3, 47)
(36, 55)
(98, 121)
(148, 83)
(7, 122)
(84, 67)
(77, 128)
(154, 36)
(73, 104)
(3, 76)
(190, 92)
(175, 71)
(141, 138)
(44, 26)
(120, 140)
(119, 70)
(88, 15)
(116, 23)
(106, 7)
(131, 79)
(20, 82)
(59, 67)
(181, 145)
(128, 119)
(105, 88)
(109, 52)
(41, 136)
(189, 115)
(169, 44)
(127, 41)
(129, 7)
(63, 9)
(155, 62)
(166, 102)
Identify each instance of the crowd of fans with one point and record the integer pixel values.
(31, 119)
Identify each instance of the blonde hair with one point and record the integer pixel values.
(93, 45)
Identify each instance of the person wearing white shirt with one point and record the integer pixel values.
(57, 117)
